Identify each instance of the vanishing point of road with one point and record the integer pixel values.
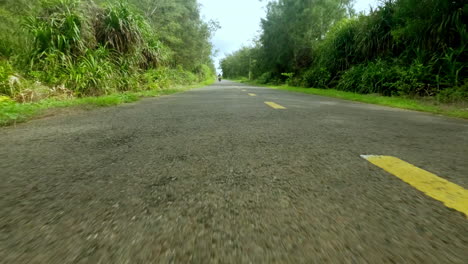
(235, 174)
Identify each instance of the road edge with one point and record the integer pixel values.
(409, 104)
(32, 111)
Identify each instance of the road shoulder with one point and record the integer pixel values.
(450, 110)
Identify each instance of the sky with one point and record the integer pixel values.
(240, 21)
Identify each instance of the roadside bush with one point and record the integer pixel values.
(61, 37)
(290, 80)
(66, 48)
(414, 80)
(6, 70)
(120, 28)
(164, 77)
(294, 81)
(13, 41)
(454, 64)
(51, 68)
(338, 51)
(60, 26)
(10, 83)
(204, 72)
(268, 77)
(154, 52)
(373, 77)
(389, 78)
(92, 74)
(265, 77)
(316, 77)
(455, 94)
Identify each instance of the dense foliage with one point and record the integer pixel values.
(403, 47)
(85, 47)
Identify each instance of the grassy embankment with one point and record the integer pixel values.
(430, 105)
(12, 112)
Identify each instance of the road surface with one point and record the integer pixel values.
(216, 175)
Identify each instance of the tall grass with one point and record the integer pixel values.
(59, 27)
(119, 28)
(88, 48)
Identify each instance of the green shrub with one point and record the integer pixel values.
(204, 72)
(455, 94)
(164, 77)
(453, 64)
(289, 78)
(13, 40)
(51, 68)
(265, 77)
(338, 51)
(61, 34)
(414, 80)
(97, 47)
(268, 77)
(389, 78)
(120, 28)
(60, 26)
(6, 70)
(154, 52)
(316, 77)
(92, 74)
(373, 77)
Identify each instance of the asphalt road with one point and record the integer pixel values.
(214, 175)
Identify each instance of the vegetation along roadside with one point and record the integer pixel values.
(58, 53)
(411, 53)
(12, 112)
(422, 104)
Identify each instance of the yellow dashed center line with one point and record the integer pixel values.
(244, 90)
(252, 94)
(275, 105)
(452, 195)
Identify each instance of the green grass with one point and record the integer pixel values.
(12, 112)
(430, 106)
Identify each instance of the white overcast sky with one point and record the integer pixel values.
(240, 21)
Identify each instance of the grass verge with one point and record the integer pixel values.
(12, 112)
(431, 106)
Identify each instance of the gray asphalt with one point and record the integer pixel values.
(214, 175)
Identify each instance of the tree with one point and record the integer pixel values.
(293, 27)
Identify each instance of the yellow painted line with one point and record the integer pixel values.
(244, 90)
(452, 195)
(275, 105)
(252, 94)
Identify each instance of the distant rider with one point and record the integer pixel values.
(219, 77)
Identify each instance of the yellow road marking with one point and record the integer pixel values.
(452, 195)
(252, 94)
(275, 105)
(244, 90)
